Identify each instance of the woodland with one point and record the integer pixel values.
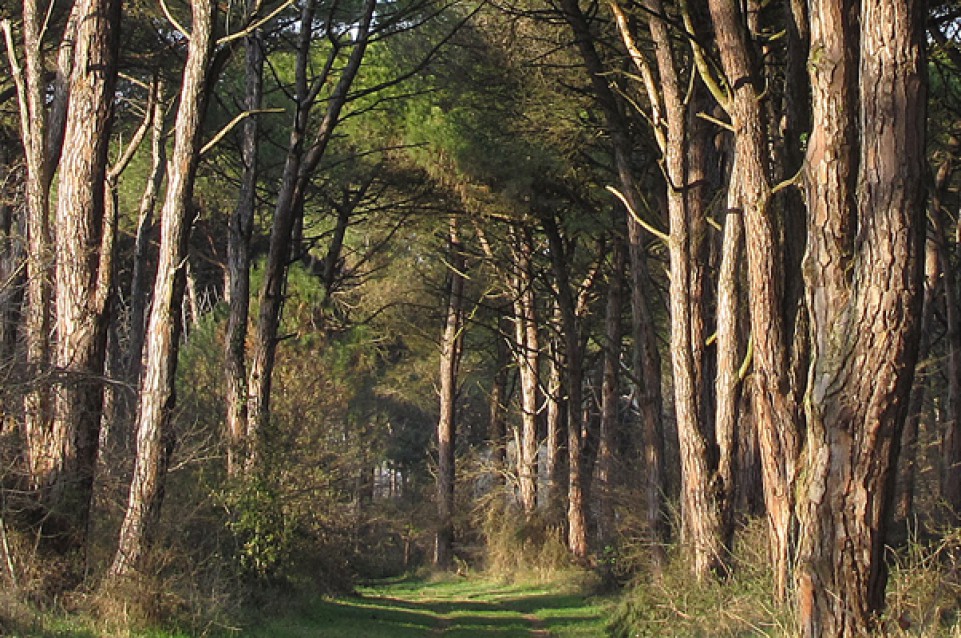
(296, 295)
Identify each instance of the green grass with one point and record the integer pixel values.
(455, 608)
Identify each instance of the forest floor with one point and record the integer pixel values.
(461, 607)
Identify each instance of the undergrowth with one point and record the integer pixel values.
(923, 596)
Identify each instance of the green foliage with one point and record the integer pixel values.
(260, 528)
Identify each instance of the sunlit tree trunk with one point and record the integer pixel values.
(451, 344)
(139, 295)
(702, 519)
(157, 398)
(863, 181)
(527, 354)
(31, 90)
(776, 407)
(84, 262)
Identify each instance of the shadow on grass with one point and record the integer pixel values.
(12, 628)
(424, 609)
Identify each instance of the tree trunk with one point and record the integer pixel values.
(646, 359)
(499, 399)
(83, 256)
(239, 230)
(863, 182)
(610, 397)
(556, 399)
(728, 380)
(776, 405)
(450, 345)
(145, 223)
(702, 519)
(31, 95)
(157, 398)
(902, 512)
(298, 168)
(527, 353)
(577, 466)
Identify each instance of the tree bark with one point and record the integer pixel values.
(31, 91)
(577, 466)
(610, 397)
(863, 180)
(451, 343)
(239, 231)
(776, 405)
(646, 359)
(702, 519)
(83, 272)
(300, 164)
(157, 397)
(556, 410)
(499, 399)
(527, 353)
(139, 295)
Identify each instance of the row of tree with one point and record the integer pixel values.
(640, 231)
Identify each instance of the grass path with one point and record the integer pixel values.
(461, 608)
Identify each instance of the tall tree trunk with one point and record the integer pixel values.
(83, 256)
(702, 519)
(556, 399)
(776, 405)
(902, 511)
(728, 380)
(157, 398)
(450, 345)
(139, 295)
(610, 397)
(573, 385)
(298, 168)
(527, 353)
(646, 359)
(499, 399)
(31, 95)
(863, 182)
(239, 231)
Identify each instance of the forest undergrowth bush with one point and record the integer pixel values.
(518, 547)
(923, 596)
(924, 589)
(674, 604)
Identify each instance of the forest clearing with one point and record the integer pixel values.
(553, 317)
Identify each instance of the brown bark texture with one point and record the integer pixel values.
(863, 182)
(450, 344)
(157, 398)
(84, 262)
(776, 406)
(527, 354)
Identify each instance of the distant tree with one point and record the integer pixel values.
(451, 347)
